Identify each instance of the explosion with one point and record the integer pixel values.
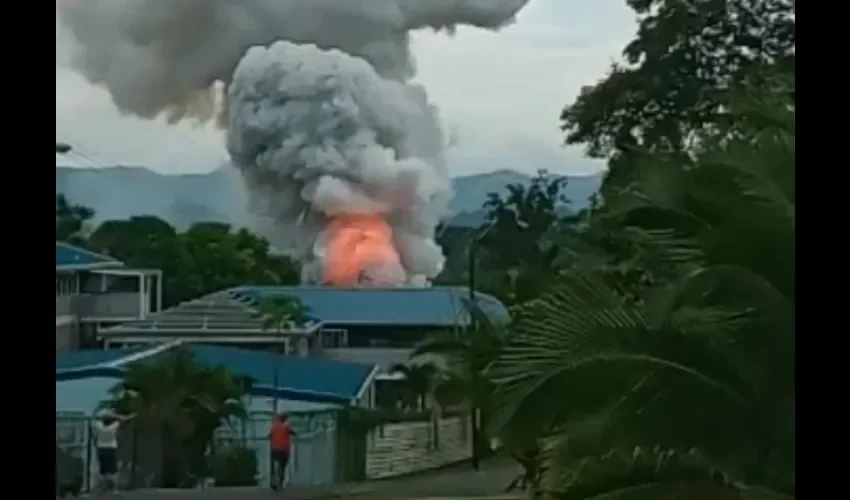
(339, 152)
(360, 250)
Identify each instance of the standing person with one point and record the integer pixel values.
(280, 439)
(106, 436)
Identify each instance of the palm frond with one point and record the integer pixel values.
(675, 333)
(638, 474)
(602, 353)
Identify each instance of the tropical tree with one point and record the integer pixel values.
(419, 383)
(673, 83)
(179, 403)
(465, 355)
(677, 72)
(278, 315)
(223, 257)
(463, 383)
(455, 241)
(281, 313)
(685, 390)
(150, 242)
(518, 251)
(71, 221)
(205, 258)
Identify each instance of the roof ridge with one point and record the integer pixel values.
(86, 251)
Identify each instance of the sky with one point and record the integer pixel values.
(499, 94)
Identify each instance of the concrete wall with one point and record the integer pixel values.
(403, 448)
(67, 334)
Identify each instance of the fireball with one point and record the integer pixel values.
(359, 250)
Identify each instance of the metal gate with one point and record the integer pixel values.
(314, 449)
(313, 461)
(73, 438)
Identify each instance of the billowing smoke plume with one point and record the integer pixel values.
(320, 118)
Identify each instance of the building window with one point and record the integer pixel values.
(66, 284)
(334, 338)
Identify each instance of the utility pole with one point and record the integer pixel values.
(276, 375)
(472, 326)
(476, 238)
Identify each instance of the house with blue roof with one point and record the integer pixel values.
(369, 326)
(218, 318)
(380, 325)
(94, 290)
(297, 383)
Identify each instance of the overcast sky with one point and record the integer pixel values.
(500, 95)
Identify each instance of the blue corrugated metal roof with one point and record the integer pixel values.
(432, 306)
(71, 257)
(92, 357)
(298, 378)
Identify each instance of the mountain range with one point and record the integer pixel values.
(121, 192)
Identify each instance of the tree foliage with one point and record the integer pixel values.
(420, 380)
(466, 354)
(183, 402)
(283, 312)
(687, 54)
(71, 220)
(207, 257)
(518, 250)
(701, 360)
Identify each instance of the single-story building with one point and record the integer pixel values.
(218, 318)
(374, 326)
(83, 378)
(368, 326)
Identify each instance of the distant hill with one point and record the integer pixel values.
(121, 192)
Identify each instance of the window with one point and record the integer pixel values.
(334, 338)
(66, 284)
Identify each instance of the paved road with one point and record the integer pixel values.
(460, 482)
(262, 495)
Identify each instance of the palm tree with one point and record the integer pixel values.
(464, 384)
(282, 313)
(467, 354)
(182, 403)
(419, 382)
(687, 390)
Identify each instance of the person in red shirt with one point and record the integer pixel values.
(280, 439)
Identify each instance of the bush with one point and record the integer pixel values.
(234, 466)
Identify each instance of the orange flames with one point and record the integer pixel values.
(355, 243)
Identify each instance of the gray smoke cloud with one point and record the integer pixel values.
(320, 116)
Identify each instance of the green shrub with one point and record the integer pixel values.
(234, 466)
